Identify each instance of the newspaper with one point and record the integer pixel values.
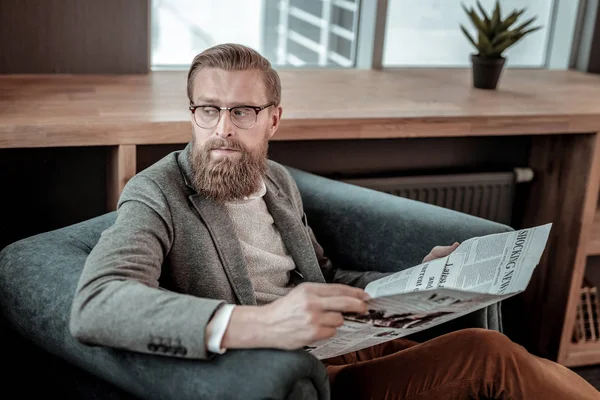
(481, 271)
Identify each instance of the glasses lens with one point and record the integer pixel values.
(243, 117)
(206, 117)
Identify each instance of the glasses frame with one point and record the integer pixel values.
(256, 109)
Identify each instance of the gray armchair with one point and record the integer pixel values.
(359, 228)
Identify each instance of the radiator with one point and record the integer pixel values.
(486, 195)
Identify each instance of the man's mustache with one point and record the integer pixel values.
(218, 143)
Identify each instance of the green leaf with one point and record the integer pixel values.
(468, 12)
(469, 36)
(485, 47)
(495, 24)
(485, 16)
(511, 19)
(525, 24)
(530, 30)
(486, 19)
(505, 45)
(502, 36)
(464, 8)
(477, 22)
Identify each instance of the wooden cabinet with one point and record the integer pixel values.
(586, 272)
(564, 192)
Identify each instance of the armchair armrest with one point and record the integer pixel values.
(38, 277)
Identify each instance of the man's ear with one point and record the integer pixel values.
(275, 120)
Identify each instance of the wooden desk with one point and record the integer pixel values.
(325, 104)
(560, 110)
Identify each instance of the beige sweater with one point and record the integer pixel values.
(268, 261)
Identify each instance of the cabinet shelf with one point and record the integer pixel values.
(582, 354)
(593, 246)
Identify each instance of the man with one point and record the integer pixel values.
(211, 250)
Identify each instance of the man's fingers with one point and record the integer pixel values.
(343, 304)
(337, 289)
(440, 251)
(443, 251)
(332, 318)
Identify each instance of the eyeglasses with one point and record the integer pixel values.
(244, 117)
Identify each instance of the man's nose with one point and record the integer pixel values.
(225, 127)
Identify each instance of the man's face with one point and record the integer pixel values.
(229, 161)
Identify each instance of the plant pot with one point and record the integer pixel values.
(486, 71)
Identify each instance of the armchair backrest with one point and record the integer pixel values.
(365, 229)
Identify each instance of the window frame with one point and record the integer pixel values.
(370, 28)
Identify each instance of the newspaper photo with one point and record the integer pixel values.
(480, 272)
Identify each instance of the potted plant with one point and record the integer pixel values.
(494, 36)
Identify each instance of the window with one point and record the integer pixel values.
(354, 33)
(292, 33)
(427, 33)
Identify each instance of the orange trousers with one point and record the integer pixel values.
(466, 364)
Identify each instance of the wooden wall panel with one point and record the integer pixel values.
(45, 189)
(74, 36)
(378, 157)
(121, 167)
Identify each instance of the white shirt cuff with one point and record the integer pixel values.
(220, 322)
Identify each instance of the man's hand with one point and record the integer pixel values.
(310, 312)
(440, 251)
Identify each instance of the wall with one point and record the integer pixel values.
(74, 36)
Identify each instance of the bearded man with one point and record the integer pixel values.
(211, 252)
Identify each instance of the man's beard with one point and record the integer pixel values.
(230, 177)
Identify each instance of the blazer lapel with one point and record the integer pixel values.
(217, 221)
(292, 232)
(223, 234)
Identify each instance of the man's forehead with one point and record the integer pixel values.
(229, 87)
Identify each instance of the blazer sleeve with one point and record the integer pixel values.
(118, 302)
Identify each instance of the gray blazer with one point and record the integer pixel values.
(156, 277)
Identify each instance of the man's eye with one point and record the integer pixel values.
(209, 111)
(241, 112)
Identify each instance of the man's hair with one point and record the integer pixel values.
(236, 57)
